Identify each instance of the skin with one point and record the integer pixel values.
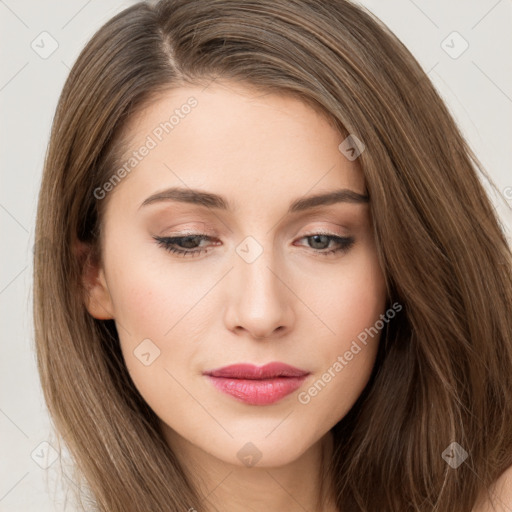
(499, 497)
(291, 304)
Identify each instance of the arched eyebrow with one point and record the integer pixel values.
(211, 200)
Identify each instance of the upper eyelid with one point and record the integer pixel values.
(210, 227)
(192, 233)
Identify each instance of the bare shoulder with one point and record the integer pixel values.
(500, 495)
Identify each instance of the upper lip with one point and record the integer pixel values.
(250, 371)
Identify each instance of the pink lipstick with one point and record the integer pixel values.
(257, 385)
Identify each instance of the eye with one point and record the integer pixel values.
(189, 245)
(321, 241)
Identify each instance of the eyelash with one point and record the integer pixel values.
(169, 243)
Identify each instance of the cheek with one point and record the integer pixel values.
(152, 297)
(352, 306)
(160, 312)
(155, 322)
(350, 300)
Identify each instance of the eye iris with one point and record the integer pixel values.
(190, 242)
(323, 240)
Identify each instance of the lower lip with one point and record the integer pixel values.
(257, 392)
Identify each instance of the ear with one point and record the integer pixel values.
(96, 294)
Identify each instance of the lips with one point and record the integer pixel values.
(257, 385)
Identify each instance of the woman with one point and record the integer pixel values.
(274, 279)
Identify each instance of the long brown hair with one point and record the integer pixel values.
(444, 370)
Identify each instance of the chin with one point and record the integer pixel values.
(265, 451)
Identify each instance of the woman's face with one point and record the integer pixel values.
(258, 281)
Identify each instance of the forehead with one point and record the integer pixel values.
(236, 141)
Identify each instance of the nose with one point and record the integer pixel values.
(260, 300)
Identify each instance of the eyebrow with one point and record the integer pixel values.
(210, 200)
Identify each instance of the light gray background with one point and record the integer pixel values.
(477, 86)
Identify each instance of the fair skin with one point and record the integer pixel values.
(292, 303)
(499, 498)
